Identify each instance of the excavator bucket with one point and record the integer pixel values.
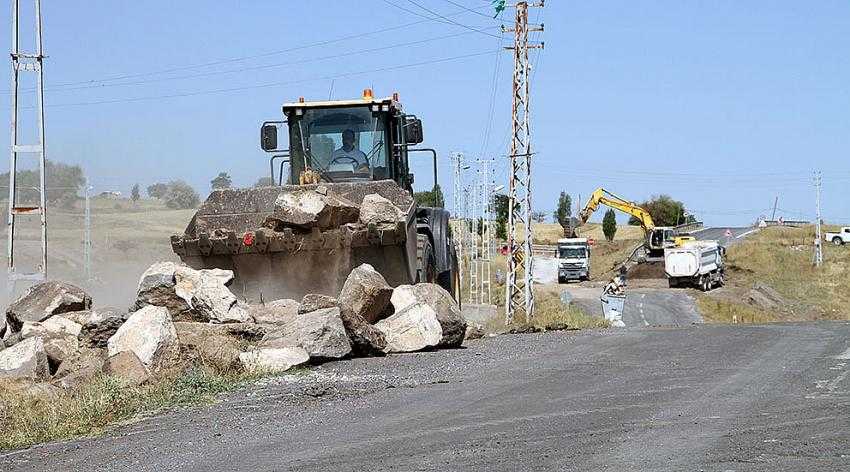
(287, 241)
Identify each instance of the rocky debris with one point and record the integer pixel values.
(76, 371)
(60, 349)
(377, 210)
(220, 352)
(321, 333)
(765, 297)
(451, 321)
(189, 294)
(414, 328)
(102, 325)
(314, 301)
(59, 325)
(150, 334)
(26, 359)
(366, 294)
(2, 325)
(191, 332)
(40, 390)
(311, 208)
(474, 332)
(127, 367)
(275, 312)
(44, 300)
(270, 359)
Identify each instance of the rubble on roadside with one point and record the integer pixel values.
(54, 339)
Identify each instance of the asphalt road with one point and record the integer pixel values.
(715, 398)
(644, 306)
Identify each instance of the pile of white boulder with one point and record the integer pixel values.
(53, 339)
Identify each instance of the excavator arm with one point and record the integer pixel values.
(603, 197)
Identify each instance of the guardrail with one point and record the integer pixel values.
(791, 223)
(689, 227)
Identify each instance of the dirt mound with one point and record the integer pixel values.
(647, 270)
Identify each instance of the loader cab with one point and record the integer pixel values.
(344, 141)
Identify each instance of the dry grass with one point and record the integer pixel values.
(549, 233)
(27, 419)
(714, 310)
(782, 259)
(549, 314)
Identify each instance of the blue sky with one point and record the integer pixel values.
(722, 104)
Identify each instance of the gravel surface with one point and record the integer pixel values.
(770, 397)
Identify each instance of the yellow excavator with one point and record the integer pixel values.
(657, 237)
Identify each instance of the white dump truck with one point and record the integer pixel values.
(840, 238)
(573, 259)
(698, 264)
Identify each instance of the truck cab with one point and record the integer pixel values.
(573, 255)
(840, 238)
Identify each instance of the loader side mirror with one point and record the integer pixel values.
(268, 137)
(413, 131)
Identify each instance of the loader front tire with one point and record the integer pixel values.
(426, 261)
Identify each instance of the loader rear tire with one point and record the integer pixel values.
(426, 261)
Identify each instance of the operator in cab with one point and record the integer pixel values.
(349, 154)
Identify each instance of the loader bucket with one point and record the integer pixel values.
(237, 229)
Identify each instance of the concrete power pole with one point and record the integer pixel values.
(87, 233)
(519, 297)
(818, 237)
(27, 62)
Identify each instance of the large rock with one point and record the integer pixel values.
(275, 312)
(55, 327)
(150, 334)
(193, 332)
(273, 359)
(321, 333)
(42, 391)
(377, 210)
(366, 294)
(61, 326)
(191, 295)
(366, 339)
(451, 320)
(308, 208)
(27, 359)
(127, 367)
(44, 300)
(315, 301)
(79, 370)
(59, 350)
(2, 325)
(102, 325)
(412, 329)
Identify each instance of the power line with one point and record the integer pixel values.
(253, 56)
(269, 66)
(273, 84)
(447, 19)
(460, 5)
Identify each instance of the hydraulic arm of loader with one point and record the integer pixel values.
(604, 197)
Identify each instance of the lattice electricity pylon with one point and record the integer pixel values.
(519, 297)
(26, 62)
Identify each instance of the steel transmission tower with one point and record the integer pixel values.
(26, 62)
(818, 236)
(519, 297)
(486, 246)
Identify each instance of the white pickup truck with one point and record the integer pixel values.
(840, 238)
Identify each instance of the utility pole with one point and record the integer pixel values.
(484, 273)
(775, 204)
(818, 237)
(26, 62)
(519, 296)
(87, 233)
(457, 211)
